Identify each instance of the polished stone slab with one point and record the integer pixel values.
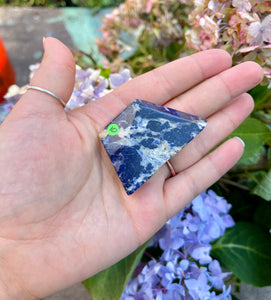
(143, 137)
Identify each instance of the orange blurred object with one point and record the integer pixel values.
(7, 74)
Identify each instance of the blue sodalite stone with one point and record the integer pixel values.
(143, 137)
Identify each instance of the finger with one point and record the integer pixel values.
(219, 127)
(160, 85)
(184, 187)
(211, 95)
(55, 74)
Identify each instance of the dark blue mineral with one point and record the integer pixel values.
(143, 137)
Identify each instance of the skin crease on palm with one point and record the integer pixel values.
(64, 214)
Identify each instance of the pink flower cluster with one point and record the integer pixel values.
(123, 28)
(242, 27)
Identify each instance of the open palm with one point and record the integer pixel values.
(64, 214)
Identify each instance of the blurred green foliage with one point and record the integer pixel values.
(48, 3)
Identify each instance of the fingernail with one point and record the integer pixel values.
(43, 41)
(243, 143)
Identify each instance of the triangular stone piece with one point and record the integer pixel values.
(143, 137)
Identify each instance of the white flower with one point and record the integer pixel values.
(242, 4)
(260, 31)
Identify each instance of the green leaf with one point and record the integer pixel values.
(255, 134)
(110, 283)
(261, 95)
(245, 251)
(252, 160)
(243, 204)
(263, 187)
(105, 73)
(262, 214)
(173, 50)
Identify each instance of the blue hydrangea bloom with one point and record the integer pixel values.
(185, 270)
(198, 288)
(202, 254)
(216, 276)
(120, 78)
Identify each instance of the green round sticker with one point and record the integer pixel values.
(113, 129)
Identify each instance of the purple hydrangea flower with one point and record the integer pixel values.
(216, 275)
(89, 86)
(198, 288)
(172, 236)
(202, 254)
(176, 292)
(225, 295)
(120, 78)
(185, 270)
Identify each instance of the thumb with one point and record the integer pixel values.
(56, 74)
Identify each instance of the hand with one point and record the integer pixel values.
(64, 214)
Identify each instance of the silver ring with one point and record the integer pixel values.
(47, 92)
